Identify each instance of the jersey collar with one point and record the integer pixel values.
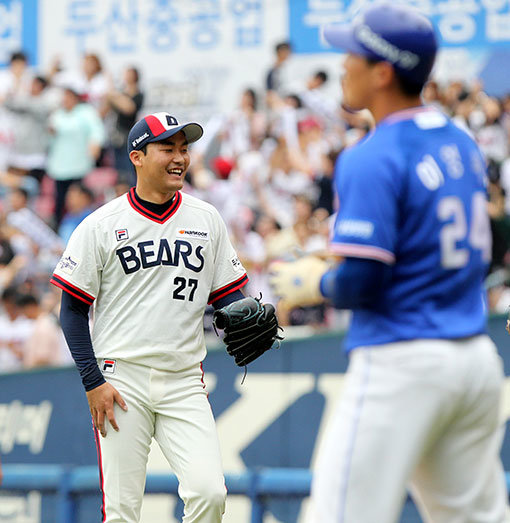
(406, 114)
(158, 218)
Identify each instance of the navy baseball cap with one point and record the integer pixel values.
(160, 126)
(397, 34)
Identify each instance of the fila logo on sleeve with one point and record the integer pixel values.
(108, 367)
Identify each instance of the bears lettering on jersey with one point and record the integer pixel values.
(147, 255)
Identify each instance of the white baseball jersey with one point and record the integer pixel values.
(150, 277)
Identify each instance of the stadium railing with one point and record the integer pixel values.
(69, 483)
(259, 485)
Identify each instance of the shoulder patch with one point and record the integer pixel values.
(358, 228)
(68, 264)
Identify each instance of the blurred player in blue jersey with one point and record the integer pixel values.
(420, 407)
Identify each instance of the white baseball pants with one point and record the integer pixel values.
(423, 415)
(173, 408)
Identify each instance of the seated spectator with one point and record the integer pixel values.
(26, 221)
(297, 238)
(15, 329)
(10, 181)
(45, 345)
(10, 263)
(6, 251)
(79, 204)
(120, 188)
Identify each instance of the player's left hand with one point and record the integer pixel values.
(297, 283)
(250, 327)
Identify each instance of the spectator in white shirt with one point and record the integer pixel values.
(45, 345)
(15, 329)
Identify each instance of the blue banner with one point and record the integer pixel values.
(469, 24)
(18, 29)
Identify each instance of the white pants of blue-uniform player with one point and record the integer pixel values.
(422, 415)
(173, 408)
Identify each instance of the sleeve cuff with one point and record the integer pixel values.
(63, 284)
(93, 380)
(227, 289)
(327, 283)
(370, 252)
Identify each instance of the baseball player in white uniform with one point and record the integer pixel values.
(149, 262)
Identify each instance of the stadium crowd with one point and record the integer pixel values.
(267, 166)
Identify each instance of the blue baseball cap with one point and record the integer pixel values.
(160, 126)
(397, 34)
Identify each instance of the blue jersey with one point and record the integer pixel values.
(412, 195)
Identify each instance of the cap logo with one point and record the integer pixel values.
(160, 122)
(383, 48)
(170, 120)
(136, 141)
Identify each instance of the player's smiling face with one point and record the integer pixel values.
(165, 164)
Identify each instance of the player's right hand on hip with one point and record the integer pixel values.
(101, 401)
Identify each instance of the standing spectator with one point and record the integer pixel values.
(244, 129)
(17, 78)
(275, 81)
(77, 137)
(79, 204)
(491, 136)
(285, 181)
(90, 80)
(125, 104)
(31, 110)
(317, 100)
(13, 80)
(96, 84)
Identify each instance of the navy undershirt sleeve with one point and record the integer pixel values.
(355, 283)
(74, 319)
(228, 299)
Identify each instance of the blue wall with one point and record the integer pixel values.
(44, 414)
